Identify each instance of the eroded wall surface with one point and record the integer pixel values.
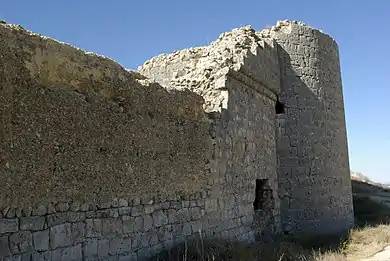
(238, 76)
(314, 179)
(100, 163)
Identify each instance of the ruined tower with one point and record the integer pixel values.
(314, 179)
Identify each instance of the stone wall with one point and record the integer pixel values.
(101, 163)
(238, 76)
(314, 178)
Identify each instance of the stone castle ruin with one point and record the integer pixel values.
(242, 138)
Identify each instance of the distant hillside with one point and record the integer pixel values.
(358, 176)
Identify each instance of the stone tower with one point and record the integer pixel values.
(314, 179)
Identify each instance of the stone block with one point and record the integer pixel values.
(195, 213)
(138, 224)
(94, 227)
(91, 248)
(73, 253)
(120, 246)
(160, 218)
(103, 248)
(128, 224)
(34, 223)
(41, 240)
(78, 232)
(74, 217)
(137, 210)
(41, 256)
(57, 219)
(148, 222)
(182, 215)
(111, 227)
(129, 257)
(123, 203)
(60, 236)
(13, 258)
(62, 207)
(21, 242)
(9, 225)
(124, 211)
(4, 246)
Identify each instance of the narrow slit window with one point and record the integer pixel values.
(279, 107)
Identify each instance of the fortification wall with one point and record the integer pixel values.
(238, 76)
(312, 150)
(100, 163)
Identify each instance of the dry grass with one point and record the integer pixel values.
(361, 243)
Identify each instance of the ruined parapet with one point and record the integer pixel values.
(240, 54)
(238, 76)
(312, 145)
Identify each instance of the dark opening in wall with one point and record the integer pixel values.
(279, 107)
(263, 197)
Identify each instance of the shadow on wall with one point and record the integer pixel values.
(313, 190)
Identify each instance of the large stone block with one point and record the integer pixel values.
(34, 223)
(21, 242)
(41, 240)
(4, 246)
(73, 253)
(8, 225)
(61, 236)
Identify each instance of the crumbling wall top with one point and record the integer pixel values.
(204, 69)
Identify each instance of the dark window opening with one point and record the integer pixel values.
(263, 197)
(279, 107)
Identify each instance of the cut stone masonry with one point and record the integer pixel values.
(237, 140)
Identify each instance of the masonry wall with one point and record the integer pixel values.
(99, 163)
(314, 177)
(240, 98)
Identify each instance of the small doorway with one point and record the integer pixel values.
(263, 207)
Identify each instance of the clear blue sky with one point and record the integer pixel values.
(131, 32)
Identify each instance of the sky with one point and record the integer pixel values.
(131, 32)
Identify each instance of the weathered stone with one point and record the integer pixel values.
(130, 257)
(128, 224)
(160, 218)
(57, 219)
(94, 227)
(41, 240)
(138, 224)
(78, 232)
(123, 203)
(75, 206)
(13, 258)
(41, 256)
(124, 211)
(120, 246)
(74, 217)
(60, 236)
(62, 206)
(149, 209)
(32, 223)
(73, 253)
(148, 222)
(137, 210)
(21, 242)
(91, 248)
(111, 227)
(11, 213)
(115, 203)
(4, 246)
(9, 225)
(40, 211)
(84, 207)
